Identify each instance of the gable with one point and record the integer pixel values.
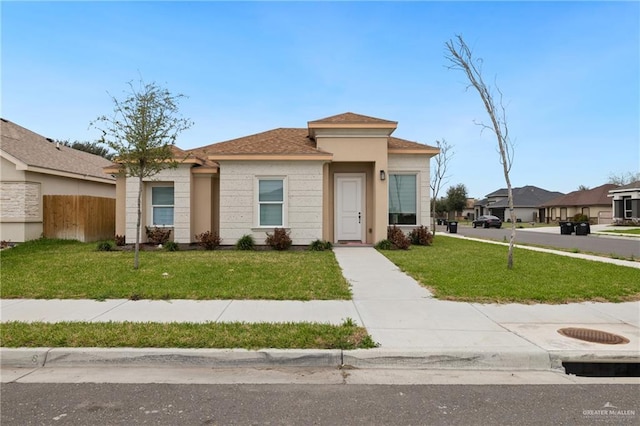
(301, 143)
(32, 152)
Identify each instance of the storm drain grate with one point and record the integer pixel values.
(593, 336)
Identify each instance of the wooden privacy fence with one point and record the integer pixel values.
(79, 217)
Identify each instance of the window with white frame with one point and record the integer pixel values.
(628, 211)
(403, 199)
(162, 203)
(271, 202)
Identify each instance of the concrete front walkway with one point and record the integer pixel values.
(402, 316)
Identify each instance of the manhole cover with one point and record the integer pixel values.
(593, 336)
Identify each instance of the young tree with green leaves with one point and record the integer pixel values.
(141, 130)
(461, 58)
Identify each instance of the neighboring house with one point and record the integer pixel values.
(526, 203)
(467, 213)
(342, 178)
(593, 203)
(469, 209)
(626, 202)
(33, 168)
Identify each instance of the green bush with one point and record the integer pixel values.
(398, 238)
(421, 236)
(279, 240)
(105, 246)
(209, 240)
(320, 245)
(171, 246)
(579, 217)
(246, 242)
(384, 245)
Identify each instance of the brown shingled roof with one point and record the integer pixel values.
(285, 141)
(590, 197)
(350, 117)
(38, 152)
(282, 141)
(397, 143)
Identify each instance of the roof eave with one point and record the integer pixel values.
(52, 172)
(426, 151)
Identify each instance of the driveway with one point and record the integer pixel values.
(601, 244)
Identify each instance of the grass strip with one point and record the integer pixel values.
(185, 335)
(458, 269)
(631, 232)
(50, 269)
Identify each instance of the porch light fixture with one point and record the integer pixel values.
(383, 175)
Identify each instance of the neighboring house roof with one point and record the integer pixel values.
(502, 192)
(624, 188)
(589, 197)
(297, 142)
(527, 196)
(33, 152)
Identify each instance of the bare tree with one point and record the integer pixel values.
(621, 179)
(141, 130)
(461, 58)
(439, 176)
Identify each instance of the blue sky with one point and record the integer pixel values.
(569, 71)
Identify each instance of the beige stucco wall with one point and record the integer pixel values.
(304, 184)
(21, 194)
(418, 164)
(594, 212)
(203, 204)
(358, 154)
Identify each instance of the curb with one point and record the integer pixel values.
(167, 357)
(381, 358)
(459, 359)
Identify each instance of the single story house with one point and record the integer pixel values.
(34, 167)
(341, 179)
(593, 203)
(526, 203)
(626, 202)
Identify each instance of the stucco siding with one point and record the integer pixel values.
(238, 199)
(420, 165)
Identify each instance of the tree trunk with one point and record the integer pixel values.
(136, 255)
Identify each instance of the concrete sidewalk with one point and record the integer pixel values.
(412, 328)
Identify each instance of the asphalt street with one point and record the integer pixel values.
(584, 243)
(163, 404)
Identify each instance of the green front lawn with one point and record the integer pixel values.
(185, 335)
(458, 269)
(635, 231)
(53, 269)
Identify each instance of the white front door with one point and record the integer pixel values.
(349, 205)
